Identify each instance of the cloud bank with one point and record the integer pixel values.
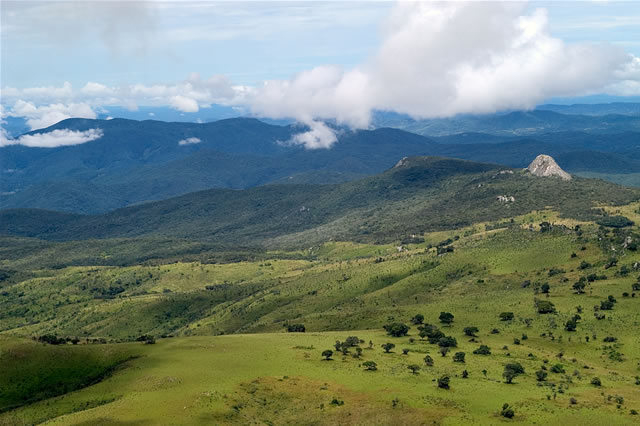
(435, 59)
(53, 139)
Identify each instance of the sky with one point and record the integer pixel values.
(312, 61)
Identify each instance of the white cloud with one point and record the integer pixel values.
(97, 89)
(39, 117)
(184, 104)
(318, 136)
(53, 139)
(189, 141)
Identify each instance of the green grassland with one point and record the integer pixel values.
(226, 357)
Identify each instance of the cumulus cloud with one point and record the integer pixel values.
(318, 136)
(42, 116)
(439, 59)
(184, 103)
(189, 141)
(53, 139)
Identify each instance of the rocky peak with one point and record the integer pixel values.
(545, 165)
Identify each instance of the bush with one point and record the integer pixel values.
(483, 350)
(370, 365)
(596, 382)
(545, 307)
(397, 329)
(296, 328)
(417, 319)
(446, 317)
(507, 411)
(428, 361)
(414, 368)
(506, 316)
(558, 369)
(327, 354)
(614, 221)
(459, 357)
(471, 331)
(541, 375)
(443, 382)
(448, 342)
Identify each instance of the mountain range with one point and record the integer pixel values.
(141, 161)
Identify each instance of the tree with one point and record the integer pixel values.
(579, 287)
(414, 368)
(446, 317)
(483, 350)
(352, 341)
(405, 351)
(358, 353)
(417, 319)
(388, 346)
(558, 369)
(511, 371)
(397, 329)
(428, 361)
(296, 328)
(443, 382)
(465, 374)
(459, 357)
(471, 331)
(596, 382)
(444, 350)
(545, 307)
(545, 288)
(507, 411)
(606, 305)
(571, 325)
(448, 341)
(327, 354)
(506, 316)
(370, 365)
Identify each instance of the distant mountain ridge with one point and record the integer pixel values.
(141, 161)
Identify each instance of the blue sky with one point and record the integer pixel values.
(326, 60)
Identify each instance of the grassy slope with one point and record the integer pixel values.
(240, 378)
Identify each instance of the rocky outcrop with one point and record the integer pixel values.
(545, 166)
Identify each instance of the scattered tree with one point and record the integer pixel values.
(417, 319)
(443, 382)
(483, 350)
(397, 329)
(506, 316)
(370, 365)
(387, 347)
(459, 357)
(414, 368)
(446, 317)
(511, 371)
(507, 411)
(327, 354)
(471, 331)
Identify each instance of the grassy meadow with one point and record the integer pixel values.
(223, 354)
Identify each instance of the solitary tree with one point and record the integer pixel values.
(471, 331)
(511, 371)
(541, 375)
(459, 357)
(370, 365)
(443, 382)
(327, 354)
(446, 317)
(444, 350)
(417, 319)
(428, 361)
(414, 368)
(396, 329)
(388, 346)
(483, 350)
(506, 316)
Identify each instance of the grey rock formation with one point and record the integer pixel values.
(545, 165)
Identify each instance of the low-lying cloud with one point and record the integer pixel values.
(53, 139)
(189, 141)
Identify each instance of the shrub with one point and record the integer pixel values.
(396, 329)
(507, 411)
(327, 354)
(471, 331)
(446, 317)
(483, 350)
(443, 382)
(448, 341)
(506, 316)
(370, 365)
(596, 382)
(428, 361)
(541, 375)
(296, 328)
(459, 357)
(614, 221)
(417, 319)
(545, 307)
(558, 369)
